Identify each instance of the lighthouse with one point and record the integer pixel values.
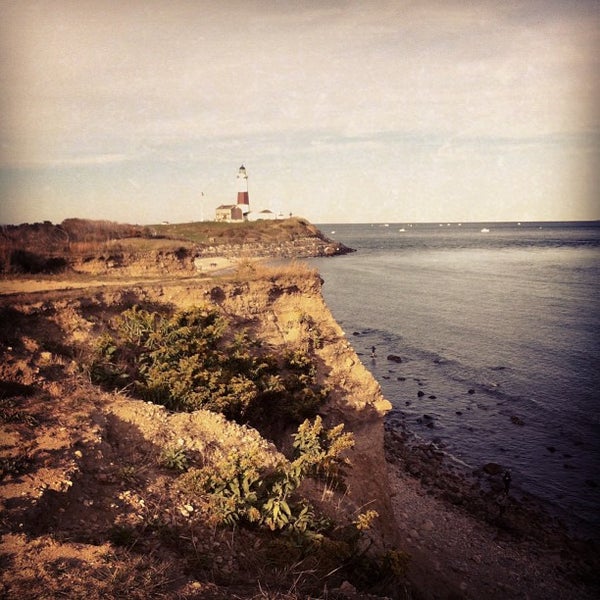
(242, 196)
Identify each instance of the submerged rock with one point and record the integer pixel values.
(492, 468)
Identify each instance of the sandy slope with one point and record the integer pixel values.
(81, 473)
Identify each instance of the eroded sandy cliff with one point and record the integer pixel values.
(81, 466)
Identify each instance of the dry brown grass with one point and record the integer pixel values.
(256, 269)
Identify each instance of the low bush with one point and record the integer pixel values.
(26, 262)
(191, 360)
(319, 450)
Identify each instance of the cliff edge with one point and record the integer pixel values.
(96, 497)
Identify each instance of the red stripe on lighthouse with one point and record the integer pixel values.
(242, 198)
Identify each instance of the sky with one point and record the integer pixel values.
(341, 111)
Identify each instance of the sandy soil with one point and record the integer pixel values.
(87, 509)
(205, 267)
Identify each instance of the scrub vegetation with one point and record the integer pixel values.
(49, 249)
(192, 359)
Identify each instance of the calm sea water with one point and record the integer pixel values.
(500, 330)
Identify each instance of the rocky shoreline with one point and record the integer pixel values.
(469, 539)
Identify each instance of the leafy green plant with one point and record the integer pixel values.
(364, 521)
(320, 451)
(136, 325)
(128, 473)
(104, 369)
(230, 487)
(174, 457)
(237, 488)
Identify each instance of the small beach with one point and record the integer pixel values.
(468, 542)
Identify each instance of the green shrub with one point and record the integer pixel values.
(106, 369)
(364, 521)
(135, 325)
(319, 451)
(191, 360)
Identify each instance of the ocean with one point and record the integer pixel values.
(497, 328)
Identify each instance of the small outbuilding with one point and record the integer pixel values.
(229, 213)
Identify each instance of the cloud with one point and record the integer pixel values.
(86, 69)
(201, 85)
(74, 161)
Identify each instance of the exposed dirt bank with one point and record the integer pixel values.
(88, 510)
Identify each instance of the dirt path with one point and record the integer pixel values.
(27, 285)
